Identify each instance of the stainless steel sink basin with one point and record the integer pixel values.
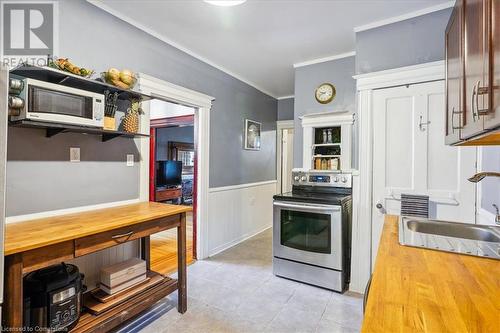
(472, 239)
(457, 230)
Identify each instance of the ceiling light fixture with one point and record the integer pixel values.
(225, 3)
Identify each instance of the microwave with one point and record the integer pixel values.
(49, 102)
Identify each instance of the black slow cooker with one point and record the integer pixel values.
(52, 298)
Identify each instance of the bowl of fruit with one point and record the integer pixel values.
(65, 65)
(124, 79)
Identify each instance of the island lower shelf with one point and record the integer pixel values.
(124, 308)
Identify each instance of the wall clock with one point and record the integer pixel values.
(325, 93)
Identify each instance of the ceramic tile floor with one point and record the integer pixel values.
(235, 291)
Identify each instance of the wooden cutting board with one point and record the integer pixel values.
(97, 301)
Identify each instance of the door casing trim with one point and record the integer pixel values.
(170, 92)
(280, 126)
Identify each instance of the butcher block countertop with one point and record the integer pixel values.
(27, 235)
(420, 290)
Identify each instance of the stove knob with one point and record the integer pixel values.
(296, 178)
(344, 180)
(336, 179)
(303, 178)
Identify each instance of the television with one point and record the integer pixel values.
(168, 173)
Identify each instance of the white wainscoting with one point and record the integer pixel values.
(91, 264)
(238, 212)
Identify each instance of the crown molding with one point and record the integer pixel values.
(285, 97)
(325, 59)
(430, 71)
(330, 117)
(406, 16)
(99, 4)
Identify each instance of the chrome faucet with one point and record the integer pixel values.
(479, 176)
(497, 217)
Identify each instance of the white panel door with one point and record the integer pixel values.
(410, 156)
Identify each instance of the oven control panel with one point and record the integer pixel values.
(319, 179)
(314, 178)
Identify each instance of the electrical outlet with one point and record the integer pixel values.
(74, 154)
(130, 160)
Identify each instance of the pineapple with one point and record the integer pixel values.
(131, 120)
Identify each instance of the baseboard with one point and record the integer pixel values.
(235, 242)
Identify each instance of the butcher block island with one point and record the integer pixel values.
(422, 290)
(36, 244)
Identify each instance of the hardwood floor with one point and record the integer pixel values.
(164, 248)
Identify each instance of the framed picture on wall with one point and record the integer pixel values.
(252, 134)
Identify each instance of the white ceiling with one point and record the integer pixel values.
(259, 41)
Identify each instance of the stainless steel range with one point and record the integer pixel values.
(312, 229)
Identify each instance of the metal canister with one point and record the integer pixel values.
(15, 112)
(15, 102)
(15, 105)
(15, 86)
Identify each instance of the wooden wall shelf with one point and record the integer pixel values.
(52, 75)
(56, 128)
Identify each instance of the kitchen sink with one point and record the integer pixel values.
(471, 239)
(456, 230)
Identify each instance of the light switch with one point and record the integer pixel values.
(130, 160)
(74, 154)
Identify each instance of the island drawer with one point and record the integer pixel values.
(97, 242)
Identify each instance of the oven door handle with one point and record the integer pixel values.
(307, 207)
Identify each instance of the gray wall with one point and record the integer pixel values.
(307, 79)
(413, 41)
(285, 109)
(93, 38)
(40, 178)
(178, 134)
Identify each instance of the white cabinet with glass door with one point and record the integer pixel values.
(327, 141)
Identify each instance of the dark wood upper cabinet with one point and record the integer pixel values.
(492, 119)
(476, 58)
(473, 73)
(454, 76)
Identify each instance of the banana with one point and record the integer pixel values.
(65, 65)
(120, 84)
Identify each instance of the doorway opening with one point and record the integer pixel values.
(172, 177)
(284, 162)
